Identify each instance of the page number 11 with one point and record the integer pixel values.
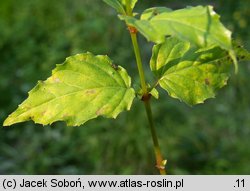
(240, 183)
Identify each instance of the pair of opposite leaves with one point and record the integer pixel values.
(190, 64)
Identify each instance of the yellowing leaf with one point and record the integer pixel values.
(83, 87)
(190, 74)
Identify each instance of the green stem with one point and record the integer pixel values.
(160, 163)
(129, 11)
(139, 63)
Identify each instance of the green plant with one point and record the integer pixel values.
(191, 59)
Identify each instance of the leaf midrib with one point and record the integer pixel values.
(68, 94)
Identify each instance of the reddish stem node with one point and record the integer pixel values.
(132, 30)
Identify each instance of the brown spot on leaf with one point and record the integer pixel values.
(155, 13)
(43, 113)
(99, 111)
(66, 115)
(102, 110)
(31, 117)
(89, 92)
(57, 80)
(207, 82)
(115, 66)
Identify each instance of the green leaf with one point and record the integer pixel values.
(131, 3)
(154, 93)
(241, 53)
(190, 74)
(116, 4)
(199, 25)
(167, 54)
(83, 87)
(238, 54)
(120, 5)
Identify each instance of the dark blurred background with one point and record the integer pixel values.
(212, 138)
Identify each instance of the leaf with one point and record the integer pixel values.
(238, 54)
(199, 25)
(83, 87)
(154, 93)
(116, 5)
(241, 53)
(187, 73)
(120, 5)
(131, 3)
(169, 52)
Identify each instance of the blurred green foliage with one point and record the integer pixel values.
(37, 34)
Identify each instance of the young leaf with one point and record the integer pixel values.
(199, 25)
(83, 87)
(116, 4)
(131, 3)
(154, 93)
(119, 5)
(190, 74)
